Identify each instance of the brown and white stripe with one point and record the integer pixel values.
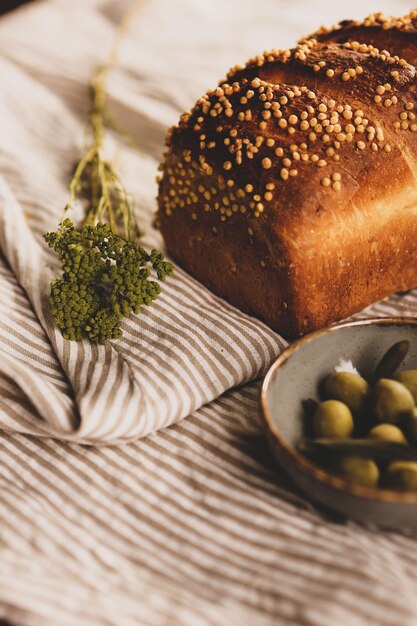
(180, 354)
(192, 525)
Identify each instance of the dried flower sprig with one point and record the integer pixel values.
(106, 273)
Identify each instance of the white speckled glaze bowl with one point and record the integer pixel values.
(296, 375)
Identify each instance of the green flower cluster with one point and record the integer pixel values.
(104, 279)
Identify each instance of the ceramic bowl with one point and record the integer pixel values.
(296, 375)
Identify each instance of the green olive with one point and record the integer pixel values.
(409, 379)
(391, 401)
(360, 471)
(349, 388)
(392, 360)
(332, 419)
(387, 432)
(402, 475)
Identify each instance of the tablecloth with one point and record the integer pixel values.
(192, 524)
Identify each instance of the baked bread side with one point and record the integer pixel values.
(289, 190)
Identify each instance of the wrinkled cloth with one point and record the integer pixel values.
(192, 524)
(182, 352)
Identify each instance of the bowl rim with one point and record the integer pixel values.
(306, 466)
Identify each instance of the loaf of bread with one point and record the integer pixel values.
(290, 189)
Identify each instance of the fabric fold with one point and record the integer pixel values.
(184, 351)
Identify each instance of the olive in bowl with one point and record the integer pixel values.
(300, 373)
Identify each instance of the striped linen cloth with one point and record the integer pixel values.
(182, 352)
(192, 525)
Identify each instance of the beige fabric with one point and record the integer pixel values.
(193, 524)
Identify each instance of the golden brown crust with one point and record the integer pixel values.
(384, 32)
(378, 20)
(278, 189)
